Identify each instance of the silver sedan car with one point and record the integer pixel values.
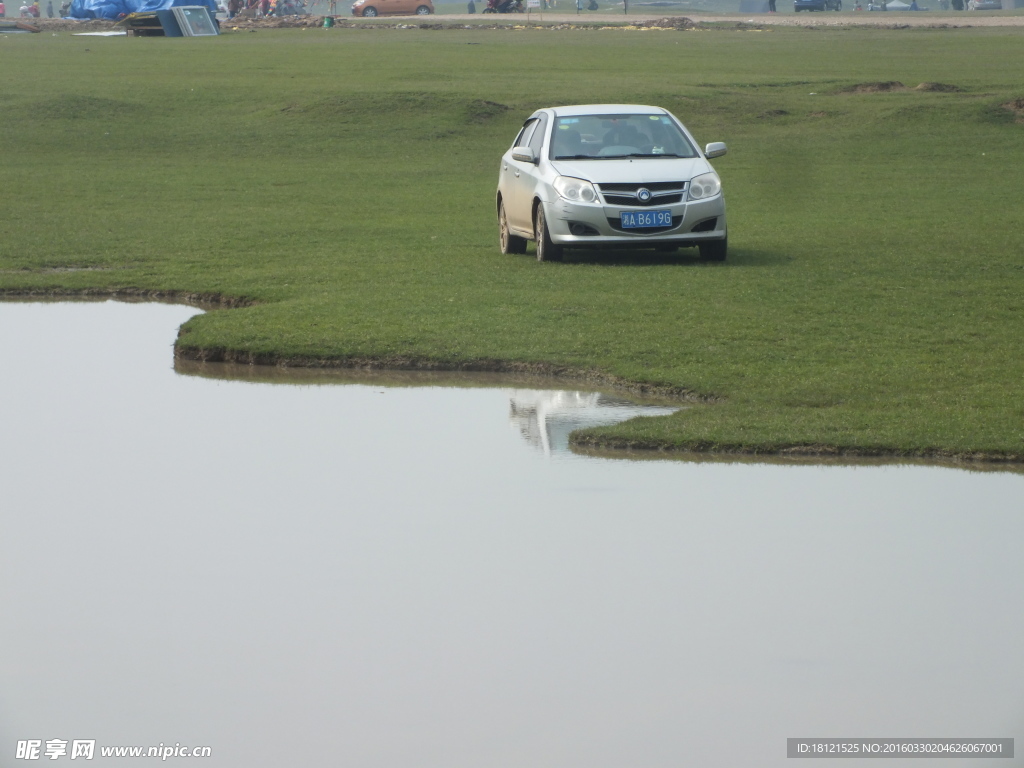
(609, 175)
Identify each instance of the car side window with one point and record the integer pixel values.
(537, 139)
(523, 139)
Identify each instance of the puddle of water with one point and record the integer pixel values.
(379, 576)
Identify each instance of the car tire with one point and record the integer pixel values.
(423, 11)
(508, 242)
(546, 250)
(370, 12)
(714, 250)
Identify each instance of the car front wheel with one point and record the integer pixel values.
(509, 242)
(423, 11)
(371, 11)
(714, 250)
(546, 250)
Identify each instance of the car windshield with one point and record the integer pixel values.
(606, 137)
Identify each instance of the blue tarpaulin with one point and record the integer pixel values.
(116, 9)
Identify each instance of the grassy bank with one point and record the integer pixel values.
(342, 183)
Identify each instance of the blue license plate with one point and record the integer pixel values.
(643, 219)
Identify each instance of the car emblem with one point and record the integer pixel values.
(643, 194)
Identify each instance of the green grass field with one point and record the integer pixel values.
(341, 182)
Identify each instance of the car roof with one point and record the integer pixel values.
(606, 109)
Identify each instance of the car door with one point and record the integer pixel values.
(511, 176)
(524, 177)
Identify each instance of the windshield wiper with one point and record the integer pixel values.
(576, 157)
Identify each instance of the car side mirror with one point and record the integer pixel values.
(523, 155)
(715, 149)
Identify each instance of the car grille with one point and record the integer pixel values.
(615, 224)
(662, 193)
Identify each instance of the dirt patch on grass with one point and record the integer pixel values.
(201, 300)
(596, 379)
(481, 110)
(290, 22)
(285, 22)
(895, 85)
(669, 22)
(938, 88)
(590, 21)
(886, 87)
(69, 25)
(773, 113)
(1016, 108)
(53, 271)
(242, 22)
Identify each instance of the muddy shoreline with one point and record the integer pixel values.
(565, 374)
(199, 300)
(979, 460)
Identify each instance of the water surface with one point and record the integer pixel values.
(369, 575)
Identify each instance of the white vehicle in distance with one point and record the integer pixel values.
(609, 176)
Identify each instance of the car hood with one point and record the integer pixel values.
(639, 170)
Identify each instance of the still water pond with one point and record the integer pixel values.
(379, 576)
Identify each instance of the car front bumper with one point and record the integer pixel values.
(597, 226)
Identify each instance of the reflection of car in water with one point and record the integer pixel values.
(545, 418)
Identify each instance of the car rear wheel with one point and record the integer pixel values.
(423, 11)
(509, 242)
(714, 250)
(546, 250)
(371, 11)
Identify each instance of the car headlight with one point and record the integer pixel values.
(705, 185)
(575, 190)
